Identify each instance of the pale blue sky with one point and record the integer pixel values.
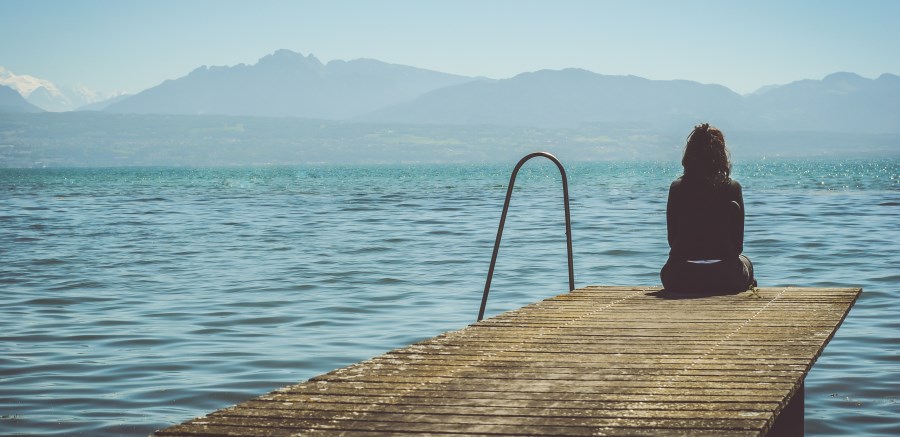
(131, 45)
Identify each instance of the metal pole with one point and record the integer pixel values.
(509, 190)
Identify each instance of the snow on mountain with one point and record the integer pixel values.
(26, 84)
(49, 96)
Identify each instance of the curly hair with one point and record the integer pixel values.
(705, 156)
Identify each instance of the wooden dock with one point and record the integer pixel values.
(595, 361)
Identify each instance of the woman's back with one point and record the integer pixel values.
(704, 221)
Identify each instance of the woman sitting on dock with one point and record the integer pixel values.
(705, 220)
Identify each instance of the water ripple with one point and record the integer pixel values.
(138, 298)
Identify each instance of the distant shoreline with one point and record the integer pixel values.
(88, 139)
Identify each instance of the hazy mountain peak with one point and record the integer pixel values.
(839, 102)
(12, 101)
(843, 76)
(845, 83)
(288, 54)
(570, 72)
(337, 63)
(763, 89)
(285, 58)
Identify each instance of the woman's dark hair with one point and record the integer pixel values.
(705, 156)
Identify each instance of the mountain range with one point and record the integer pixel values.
(289, 84)
(566, 98)
(841, 102)
(49, 96)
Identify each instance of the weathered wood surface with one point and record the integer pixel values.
(595, 361)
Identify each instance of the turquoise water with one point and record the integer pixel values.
(134, 299)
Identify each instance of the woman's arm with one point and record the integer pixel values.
(738, 230)
(671, 224)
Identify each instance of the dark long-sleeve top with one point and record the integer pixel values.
(703, 222)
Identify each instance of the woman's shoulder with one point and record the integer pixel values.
(683, 183)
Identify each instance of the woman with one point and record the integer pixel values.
(705, 219)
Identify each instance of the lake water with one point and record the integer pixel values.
(134, 299)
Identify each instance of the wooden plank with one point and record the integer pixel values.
(599, 360)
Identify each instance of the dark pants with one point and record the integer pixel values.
(726, 276)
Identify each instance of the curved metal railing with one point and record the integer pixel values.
(509, 190)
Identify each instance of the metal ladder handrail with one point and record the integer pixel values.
(509, 190)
